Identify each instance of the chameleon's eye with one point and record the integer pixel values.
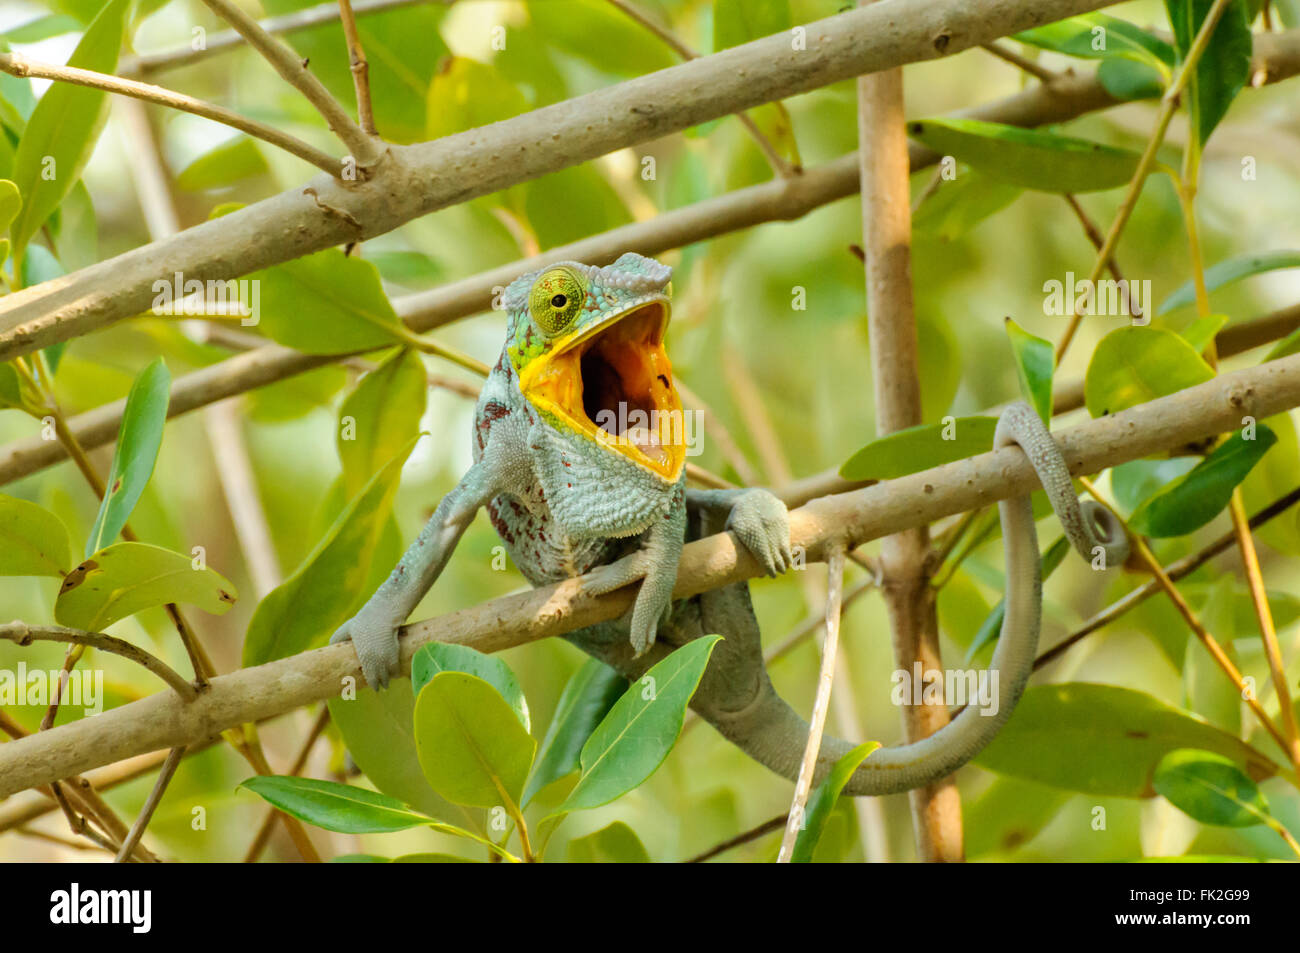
(556, 299)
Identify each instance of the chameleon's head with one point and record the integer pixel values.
(588, 346)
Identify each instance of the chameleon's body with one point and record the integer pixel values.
(576, 486)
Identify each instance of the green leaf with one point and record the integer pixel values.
(127, 577)
(1035, 364)
(742, 21)
(615, 844)
(1191, 501)
(438, 657)
(138, 440)
(466, 94)
(1103, 740)
(823, 799)
(1027, 158)
(327, 303)
(596, 33)
(1210, 788)
(63, 129)
(380, 416)
(378, 729)
(1128, 80)
(10, 203)
(919, 448)
(1230, 270)
(586, 699)
(410, 269)
(1135, 481)
(333, 806)
(1132, 365)
(635, 737)
(471, 745)
(958, 205)
(33, 542)
(1201, 332)
(556, 218)
(1099, 36)
(239, 158)
(304, 610)
(42, 28)
(1223, 67)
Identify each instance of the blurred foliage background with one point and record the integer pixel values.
(760, 365)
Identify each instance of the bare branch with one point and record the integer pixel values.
(21, 633)
(151, 803)
(360, 68)
(16, 64)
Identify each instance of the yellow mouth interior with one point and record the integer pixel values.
(614, 383)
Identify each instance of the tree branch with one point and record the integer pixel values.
(416, 180)
(21, 633)
(1068, 98)
(163, 721)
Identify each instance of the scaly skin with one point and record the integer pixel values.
(568, 503)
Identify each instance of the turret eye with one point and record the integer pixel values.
(556, 299)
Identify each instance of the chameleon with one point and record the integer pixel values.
(580, 469)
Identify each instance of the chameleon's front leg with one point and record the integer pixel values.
(373, 630)
(656, 564)
(759, 520)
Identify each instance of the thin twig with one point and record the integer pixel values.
(151, 803)
(364, 149)
(18, 65)
(821, 703)
(754, 833)
(24, 634)
(360, 68)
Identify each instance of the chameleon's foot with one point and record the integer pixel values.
(375, 641)
(762, 525)
(653, 602)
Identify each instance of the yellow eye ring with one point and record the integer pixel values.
(557, 298)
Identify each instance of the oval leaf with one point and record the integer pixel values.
(635, 737)
(919, 448)
(1224, 65)
(441, 657)
(335, 807)
(1210, 788)
(1028, 158)
(127, 577)
(1103, 739)
(1133, 365)
(138, 440)
(587, 698)
(472, 748)
(1099, 36)
(327, 303)
(33, 542)
(1192, 500)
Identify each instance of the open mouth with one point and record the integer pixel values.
(614, 383)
